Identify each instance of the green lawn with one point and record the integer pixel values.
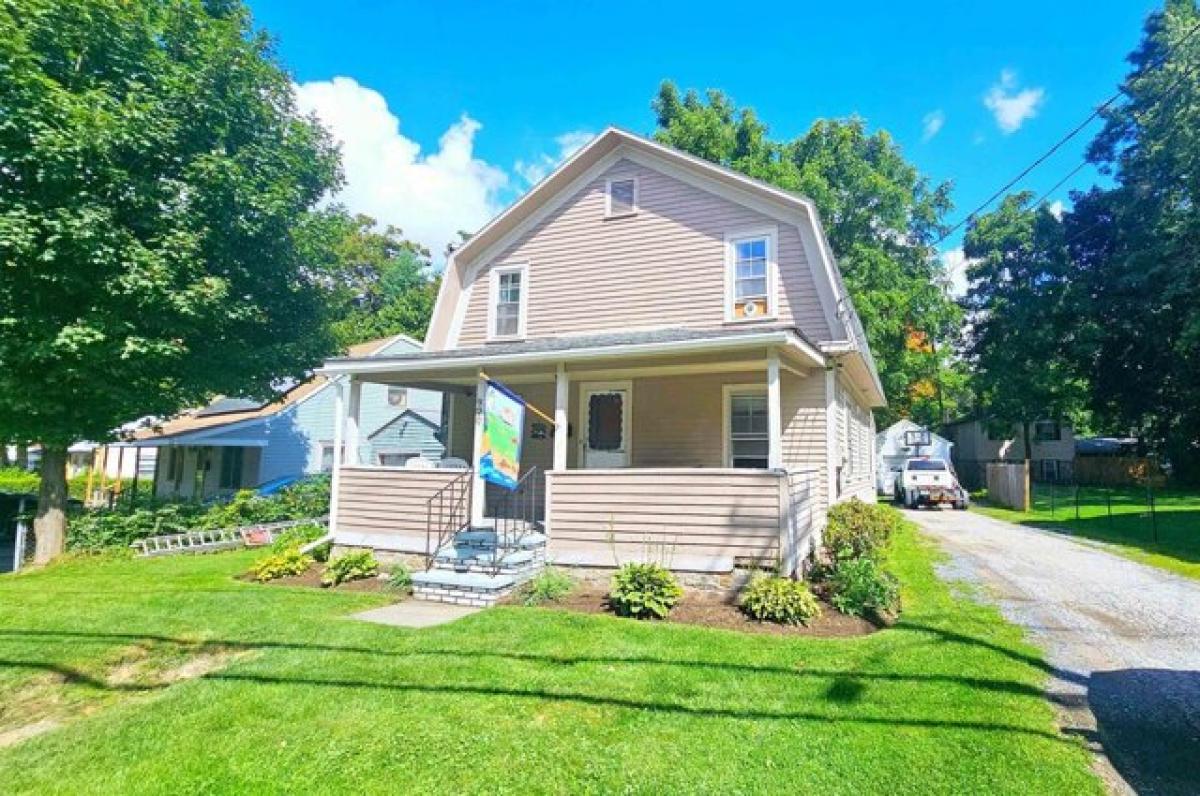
(509, 700)
(1129, 526)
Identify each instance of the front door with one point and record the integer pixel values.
(604, 424)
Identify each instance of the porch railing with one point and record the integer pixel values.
(447, 512)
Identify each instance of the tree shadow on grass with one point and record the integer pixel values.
(846, 686)
(1178, 531)
(934, 634)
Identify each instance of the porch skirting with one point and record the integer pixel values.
(709, 522)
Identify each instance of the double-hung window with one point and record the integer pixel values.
(748, 442)
(509, 297)
(750, 264)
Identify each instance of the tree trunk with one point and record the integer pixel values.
(23, 457)
(1028, 444)
(50, 522)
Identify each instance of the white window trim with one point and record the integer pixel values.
(637, 197)
(772, 236)
(727, 393)
(494, 296)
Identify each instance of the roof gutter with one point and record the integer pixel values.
(804, 350)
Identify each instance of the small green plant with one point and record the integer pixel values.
(400, 579)
(300, 535)
(644, 591)
(280, 565)
(780, 600)
(857, 529)
(860, 586)
(548, 586)
(351, 566)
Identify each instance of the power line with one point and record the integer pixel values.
(1074, 132)
(1166, 96)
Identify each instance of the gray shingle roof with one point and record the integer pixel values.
(552, 344)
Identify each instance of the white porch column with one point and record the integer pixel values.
(339, 411)
(478, 486)
(774, 414)
(562, 391)
(353, 410)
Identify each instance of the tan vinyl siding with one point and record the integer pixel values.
(682, 513)
(677, 420)
(374, 500)
(664, 266)
(804, 431)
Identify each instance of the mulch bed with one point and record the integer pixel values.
(312, 579)
(715, 610)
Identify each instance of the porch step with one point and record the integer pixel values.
(455, 556)
(485, 538)
(462, 588)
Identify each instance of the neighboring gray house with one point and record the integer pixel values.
(236, 444)
(1052, 453)
(902, 441)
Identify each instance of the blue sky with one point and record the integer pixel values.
(446, 110)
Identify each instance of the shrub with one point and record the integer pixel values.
(643, 591)
(18, 481)
(548, 586)
(780, 600)
(860, 586)
(298, 536)
(858, 529)
(279, 565)
(351, 566)
(400, 579)
(96, 529)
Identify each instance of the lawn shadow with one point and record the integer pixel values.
(845, 686)
(1178, 532)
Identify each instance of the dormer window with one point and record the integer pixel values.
(622, 197)
(509, 295)
(750, 276)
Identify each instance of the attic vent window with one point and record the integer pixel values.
(622, 198)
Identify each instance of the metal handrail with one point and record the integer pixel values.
(515, 516)
(447, 512)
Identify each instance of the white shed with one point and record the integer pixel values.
(900, 441)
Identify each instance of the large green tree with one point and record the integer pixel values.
(1136, 247)
(380, 283)
(881, 216)
(1021, 318)
(153, 168)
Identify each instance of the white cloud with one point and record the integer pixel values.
(954, 272)
(931, 124)
(533, 172)
(429, 195)
(1012, 107)
(1056, 209)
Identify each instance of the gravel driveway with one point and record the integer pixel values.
(1123, 639)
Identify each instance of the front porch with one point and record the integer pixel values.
(704, 460)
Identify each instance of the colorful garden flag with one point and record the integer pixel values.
(503, 422)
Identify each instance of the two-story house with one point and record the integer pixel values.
(687, 330)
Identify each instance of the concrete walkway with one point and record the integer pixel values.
(1123, 639)
(415, 613)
